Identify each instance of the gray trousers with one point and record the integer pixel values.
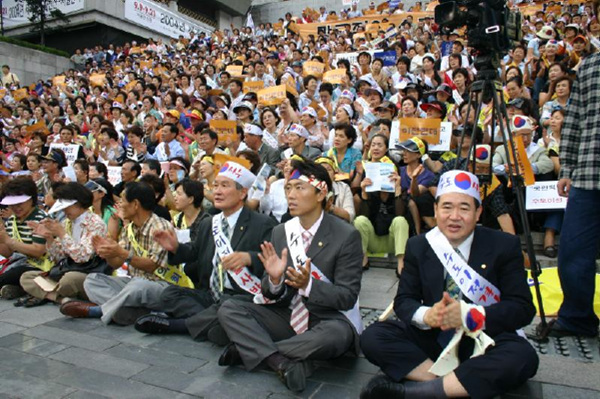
(258, 331)
(112, 293)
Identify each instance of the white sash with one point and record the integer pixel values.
(473, 286)
(296, 246)
(242, 277)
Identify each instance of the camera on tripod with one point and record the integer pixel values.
(491, 27)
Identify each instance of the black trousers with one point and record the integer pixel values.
(12, 276)
(398, 349)
(181, 303)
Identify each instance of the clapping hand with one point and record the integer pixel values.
(167, 239)
(274, 265)
(298, 278)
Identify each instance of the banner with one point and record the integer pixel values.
(543, 195)
(20, 94)
(272, 95)
(524, 164)
(235, 71)
(426, 129)
(226, 130)
(253, 87)
(332, 26)
(152, 16)
(14, 12)
(388, 57)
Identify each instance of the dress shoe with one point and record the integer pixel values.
(76, 309)
(294, 375)
(558, 331)
(218, 336)
(152, 324)
(382, 387)
(127, 315)
(230, 356)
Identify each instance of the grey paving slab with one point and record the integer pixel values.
(113, 386)
(350, 379)
(22, 385)
(559, 391)
(31, 317)
(188, 347)
(328, 391)
(570, 373)
(156, 357)
(6, 305)
(32, 365)
(36, 346)
(8, 329)
(125, 335)
(77, 325)
(378, 288)
(85, 395)
(71, 338)
(13, 339)
(103, 362)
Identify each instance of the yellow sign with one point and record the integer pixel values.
(335, 76)
(272, 95)
(426, 129)
(145, 65)
(226, 130)
(98, 79)
(235, 70)
(129, 86)
(40, 126)
(253, 87)
(20, 94)
(524, 165)
(59, 81)
(290, 85)
(135, 50)
(313, 68)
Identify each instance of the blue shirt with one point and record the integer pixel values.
(348, 164)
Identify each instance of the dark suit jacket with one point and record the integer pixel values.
(422, 280)
(268, 155)
(251, 230)
(336, 249)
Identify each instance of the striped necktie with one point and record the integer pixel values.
(299, 318)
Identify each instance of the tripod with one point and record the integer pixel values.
(488, 82)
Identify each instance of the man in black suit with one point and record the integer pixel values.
(471, 308)
(312, 280)
(194, 311)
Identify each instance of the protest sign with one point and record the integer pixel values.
(335, 76)
(313, 68)
(70, 150)
(98, 79)
(235, 70)
(226, 130)
(543, 195)
(445, 137)
(272, 96)
(253, 87)
(525, 169)
(426, 129)
(114, 174)
(20, 94)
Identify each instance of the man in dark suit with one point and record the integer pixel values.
(194, 311)
(471, 308)
(311, 286)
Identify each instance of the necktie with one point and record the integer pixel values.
(216, 277)
(299, 318)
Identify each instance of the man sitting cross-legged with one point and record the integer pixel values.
(124, 299)
(462, 295)
(226, 252)
(308, 308)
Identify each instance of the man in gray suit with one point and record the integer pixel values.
(311, 313)
(253, 135)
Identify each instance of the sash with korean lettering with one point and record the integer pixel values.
(242, 277)
(293, 234)
(475, 287)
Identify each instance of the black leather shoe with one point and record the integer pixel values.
(218, 336)
(230, 356)
(294, 375)
(382, 387)
(558, 331)
(152, 324)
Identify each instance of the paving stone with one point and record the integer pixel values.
(567, 372)
(39, 347)
(8, 329)
(186, 346)
(349, 379)
(77, 325)
(126, 335)
(156, 357)
(6, 305)
(328, 391)
(558, 391)
(100, 362)
(529, 390)
(71, 338)
(353, 363)
(32, 365)
(24, 385)
(13, 339)
(85, 395)
(115, 387)
(31, 317)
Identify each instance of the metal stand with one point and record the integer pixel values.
(488, 82)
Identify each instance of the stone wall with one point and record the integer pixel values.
(31, 65)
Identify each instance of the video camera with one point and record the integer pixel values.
(491, 26)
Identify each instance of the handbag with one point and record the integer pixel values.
(94, 265)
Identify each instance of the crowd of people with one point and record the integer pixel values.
(124, 200)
